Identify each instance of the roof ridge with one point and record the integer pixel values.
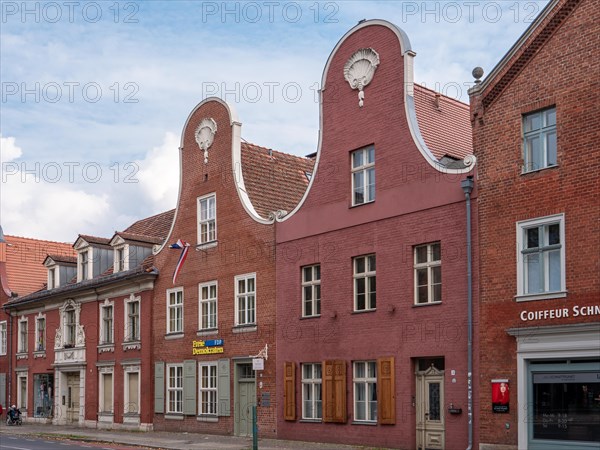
(36, 239)
(302, 158)
(459, 102)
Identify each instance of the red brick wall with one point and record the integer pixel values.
(414, 205)
(244, 246)
(564, 72)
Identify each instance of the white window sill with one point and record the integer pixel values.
(362, 204)
(207, 245)
(131, 345)
(178, 335)
(210, 418)
(525, 172)
(244, 328)
(210, 332)
(316, 316)
(39, 354)
(362, 311)
(540, 296)
(22, 356)
(174, 416)
(418, 305)
(105, 348)
(311, 420)
(361, 422)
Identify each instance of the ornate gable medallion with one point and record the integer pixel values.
(359, 70)
(205, 135)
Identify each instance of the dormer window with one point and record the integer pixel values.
(121, 259)
(52, 278)
(84, 265)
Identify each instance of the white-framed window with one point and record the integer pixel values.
(40, 333)
(70, 321)
(365, 298)
(365, 391)
(207, 308)
(132, 319)
(52, 277)
(121, 258)
(84, 265)
(174, 388)
(311, 290)
(245, 299)
(363, 175)
(207, 386)
(22, 391)
(207, 219)
(23, 335)
(106, 389)
(312, 401)
(175, 310)
(131, 384)
(539, 139)
(3, 337)
(428, 273)
(541, 256)
(107, 323)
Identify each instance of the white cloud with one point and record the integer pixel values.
(158, 173)
(9, 150)
(32, 206)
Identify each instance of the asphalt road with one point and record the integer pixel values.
(26, 443)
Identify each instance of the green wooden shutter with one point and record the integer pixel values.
(223, 388)
(189, 387)
(3, 389)
(159, 387)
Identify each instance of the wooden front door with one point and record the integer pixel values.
(246, 399)
(430, 409)
(73, 397)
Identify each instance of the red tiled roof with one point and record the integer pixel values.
(95, 239)
(446, 128)
(274, 180)
(155, 228)
(63, 259)
(140, 237)
(24, 262)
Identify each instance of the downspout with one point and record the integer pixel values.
(9, 354)
(467, 187)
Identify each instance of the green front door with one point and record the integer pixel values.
(245, 398)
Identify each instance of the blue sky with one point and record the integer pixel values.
(95, 94)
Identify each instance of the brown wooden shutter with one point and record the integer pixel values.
(334, 391)
(386, 391)
(289, 390)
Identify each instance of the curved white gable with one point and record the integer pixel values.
(236, 160)
(409, 105)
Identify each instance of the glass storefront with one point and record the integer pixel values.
(566, 401)
(43, 389)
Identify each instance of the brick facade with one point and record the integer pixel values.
(415, 204)
(244, 244)
(555, 65)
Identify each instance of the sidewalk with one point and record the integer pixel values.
(164, 439)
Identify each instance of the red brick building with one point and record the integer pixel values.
(536, 133)
(372, 267)
(80, 352)
(219, 311)
(21, 272)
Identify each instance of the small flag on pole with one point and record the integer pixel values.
(184, 247)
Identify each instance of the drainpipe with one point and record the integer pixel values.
(467, 187)
(10, 356)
